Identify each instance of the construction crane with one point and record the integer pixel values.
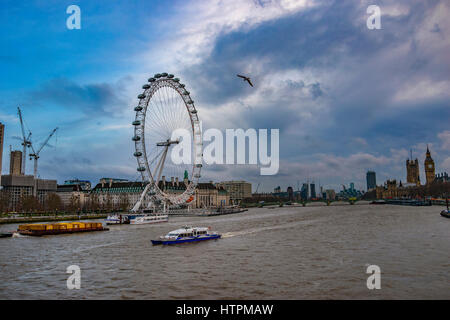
(35, 156)
(257, 187)
(26, 141)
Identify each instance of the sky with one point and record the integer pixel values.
(345, 98)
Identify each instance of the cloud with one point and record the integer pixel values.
(424, 89)
(91, 99)
(446, 164)
(193, 42)
(444, 136)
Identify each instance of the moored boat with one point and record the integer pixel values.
(6, 235)
(117, 219)
(187, 234)
(445, 213)
(149, 218)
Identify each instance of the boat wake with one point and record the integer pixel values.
(96, 246)
(256, 230)
(18, 235)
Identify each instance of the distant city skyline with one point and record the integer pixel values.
(345, 98)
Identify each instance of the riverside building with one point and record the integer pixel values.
(238, 190)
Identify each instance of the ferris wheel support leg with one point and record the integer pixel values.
(138, 204)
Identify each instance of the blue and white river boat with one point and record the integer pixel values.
(187, 234)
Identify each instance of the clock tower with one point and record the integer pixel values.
(429, 167)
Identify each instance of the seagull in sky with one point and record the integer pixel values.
(245, 79)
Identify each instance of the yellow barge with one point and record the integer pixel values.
(59, 228)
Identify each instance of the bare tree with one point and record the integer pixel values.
(94, 203)
(124, 202)
(53, 202)
(74, 204)
(29, 203)
(4, 201)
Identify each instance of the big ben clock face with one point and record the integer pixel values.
(430, 166)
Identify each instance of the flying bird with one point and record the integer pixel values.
(245, 79)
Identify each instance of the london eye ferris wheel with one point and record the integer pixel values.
(166, 106)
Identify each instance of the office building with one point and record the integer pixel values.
(312, 188)
(2, 136)
(371, 180)
(290, 192)
(238, 190)
(304, 192)
(18, 187)
(15, 163)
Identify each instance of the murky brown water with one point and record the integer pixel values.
(284, 253)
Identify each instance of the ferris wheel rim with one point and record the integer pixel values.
(156, 83)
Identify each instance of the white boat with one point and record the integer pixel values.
(150, 218)
(117, 219)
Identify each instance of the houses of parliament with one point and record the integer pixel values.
(435, 185)
(413, 172)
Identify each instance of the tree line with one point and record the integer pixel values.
(52, 203)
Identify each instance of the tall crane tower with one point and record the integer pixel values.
(35, 155)
(26, 143)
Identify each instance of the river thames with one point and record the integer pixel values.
(313, 252)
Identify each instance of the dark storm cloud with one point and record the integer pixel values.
(313, 37)
(91, 99)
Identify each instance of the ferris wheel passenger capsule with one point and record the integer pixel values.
(151, 80)
(141, 169)
(137, 154)
(136, 123)
(136, 138)
(158, 75)
(145, 86)
(164, 74)
(138, 108)
(141, 96)
(170, 76)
